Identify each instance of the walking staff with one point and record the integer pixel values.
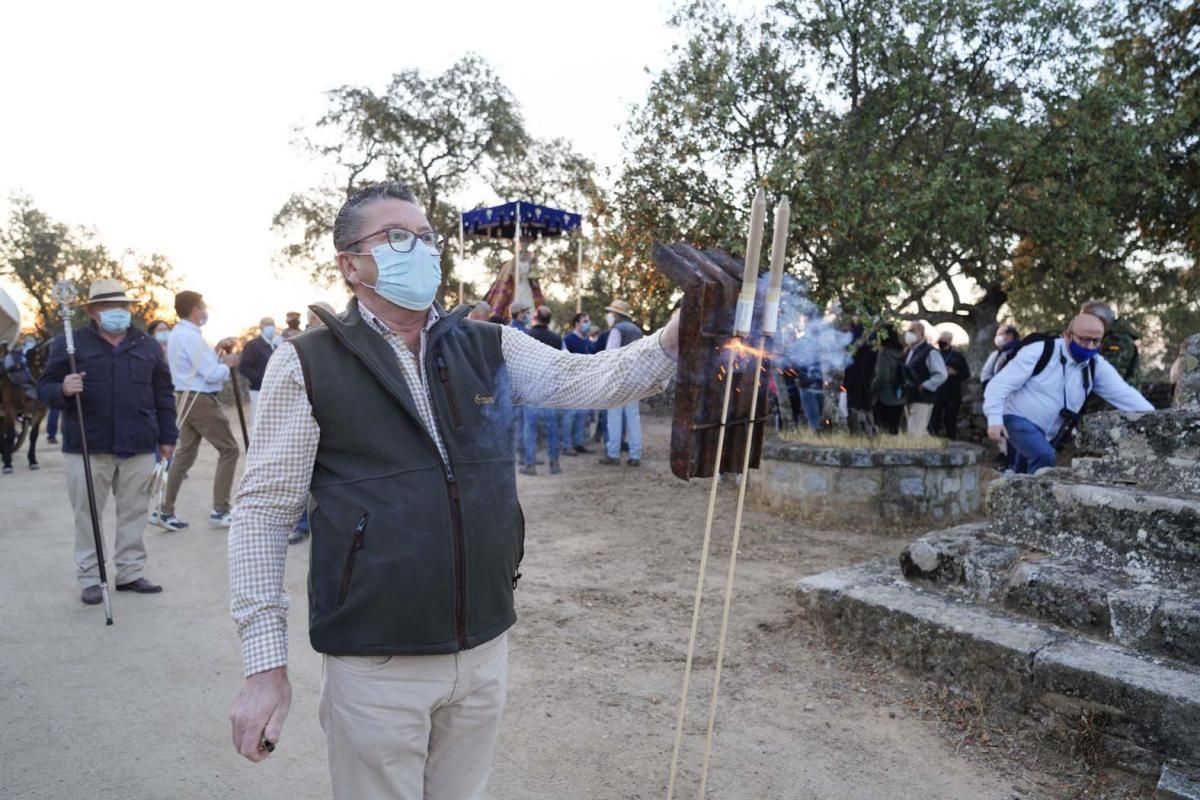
(237, 401)
(64, 294)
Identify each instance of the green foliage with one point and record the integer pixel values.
(434, 133)
(37, 252)
(942, 157)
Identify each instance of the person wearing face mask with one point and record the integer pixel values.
(1007, 341)
(924, 372)
(944, 420)
(255, 355)
(128, 414)
(199, 372)
(575, 421)
(391, 423)
(1034, 403)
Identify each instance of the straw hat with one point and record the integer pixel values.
(107, 290)
(620, 307)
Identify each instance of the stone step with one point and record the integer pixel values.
(1170, 475)
(1148, 536)
(1139, 712)
(1149, 617)
(1174, 433)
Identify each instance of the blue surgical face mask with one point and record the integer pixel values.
(409, 280)
(163, 337)
(268, 332)
(585, 327)
(115, 320)
(1081, 353)
(203, 319)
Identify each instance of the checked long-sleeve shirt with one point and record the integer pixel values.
(280, 459)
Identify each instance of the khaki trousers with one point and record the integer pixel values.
(918, 418)
(124, 478)
(205, 421)
(414, 727)
(253, 408)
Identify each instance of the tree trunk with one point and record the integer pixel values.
(985, 322)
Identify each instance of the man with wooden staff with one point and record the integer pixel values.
(128, 414)
(403, 453)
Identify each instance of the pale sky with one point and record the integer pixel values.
(168, 126)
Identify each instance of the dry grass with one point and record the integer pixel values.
(904, 441)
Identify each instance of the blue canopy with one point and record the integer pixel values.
(499, 222)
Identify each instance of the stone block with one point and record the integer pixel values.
(1154, 434)
(912, 487)
(1176, 785)
(1168, 474)
(1146, 711)
(814, 480)
(1144, 535)
(951, 485)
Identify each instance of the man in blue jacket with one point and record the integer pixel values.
(128, 415)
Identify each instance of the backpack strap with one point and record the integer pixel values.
(1044, 358)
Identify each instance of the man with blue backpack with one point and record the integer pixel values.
(1034, 403)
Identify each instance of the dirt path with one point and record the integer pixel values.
(140, 709)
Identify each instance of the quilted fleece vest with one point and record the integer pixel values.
(411, 555)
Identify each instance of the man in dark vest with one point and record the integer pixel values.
(950, 393)
(391, 423)
(627, 419)
(924, 372)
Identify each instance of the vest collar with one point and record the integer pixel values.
(353, 332)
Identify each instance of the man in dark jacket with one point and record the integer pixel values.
(949, 395)
(540, 330)
(255, 355)
(128, 415)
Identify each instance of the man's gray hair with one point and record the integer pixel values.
(345, 224)
(1101, 309)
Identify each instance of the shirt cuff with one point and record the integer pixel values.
(995, 419)
(264, 645)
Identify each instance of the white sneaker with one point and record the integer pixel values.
(168, 522)
(220, 519)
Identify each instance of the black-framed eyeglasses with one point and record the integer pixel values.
(402, 240)
(1086, 342)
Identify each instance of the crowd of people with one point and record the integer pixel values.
(1036, 387)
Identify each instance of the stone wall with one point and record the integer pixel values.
(852, 487)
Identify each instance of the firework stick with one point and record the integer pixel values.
(770, 321)
(741, 328)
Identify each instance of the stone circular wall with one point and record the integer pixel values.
(863, 486)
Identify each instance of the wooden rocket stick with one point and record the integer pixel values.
(741, 328)
(770, 321)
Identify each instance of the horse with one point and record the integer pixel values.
(23, 415)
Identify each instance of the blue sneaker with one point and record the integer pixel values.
(220, 519)
(168, 522)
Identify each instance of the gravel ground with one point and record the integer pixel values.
(140, 709)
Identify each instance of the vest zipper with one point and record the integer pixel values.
(444, 375)
(460, 567)
(359, 533)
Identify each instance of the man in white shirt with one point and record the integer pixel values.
(199, 374)
(1042, 390)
